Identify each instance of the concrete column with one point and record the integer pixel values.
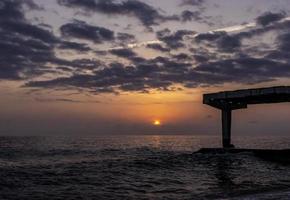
(226, 127)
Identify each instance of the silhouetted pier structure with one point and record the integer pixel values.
(240, 99)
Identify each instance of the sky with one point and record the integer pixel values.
(113, 67)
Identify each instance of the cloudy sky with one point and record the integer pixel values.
(116, 66)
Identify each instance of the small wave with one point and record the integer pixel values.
(265, 195)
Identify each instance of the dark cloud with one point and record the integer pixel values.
(128, 54)
(283, 48)
(173, 40)
(278, 55)
(158, 47)
(100, 52)
(30, 4)
(137, 59)
(126, 38)
(182, 57)
(12, 20)
(80, 47)
(192, 2)
(284, 42)
(200, 58)
(232, 42)
(117, 77)
(188, 15)
(246, 69)
(269, 17)
(196, 16)
(260, 30)
(210, 36)
(123, 52)
(82, 30)
(28, 50)
(25, 49)
(14, 9)
(28, 30)
(201, 54)
(147, 14)
(222, 40)
(229, 43)
(63, 100)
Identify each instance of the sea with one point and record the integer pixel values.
(139, 167)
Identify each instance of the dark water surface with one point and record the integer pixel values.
(138, 167)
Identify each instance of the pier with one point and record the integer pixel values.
(228, 101)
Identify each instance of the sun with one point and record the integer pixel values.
(156, 122)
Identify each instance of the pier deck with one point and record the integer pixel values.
(240, 99)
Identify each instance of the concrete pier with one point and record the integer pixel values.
(226, 127)
(240, 99)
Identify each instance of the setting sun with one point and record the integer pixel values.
(157, 123)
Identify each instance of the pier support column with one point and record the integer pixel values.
(226, 127)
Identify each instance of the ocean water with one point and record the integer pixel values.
(138, 167)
